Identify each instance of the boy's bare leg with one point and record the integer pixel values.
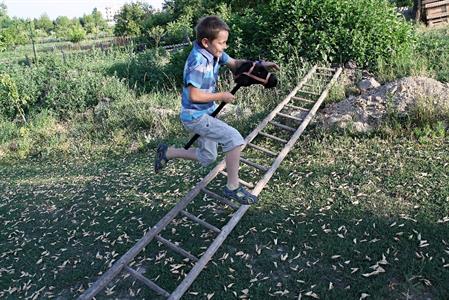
(232, 159)
(232, 167)
(181, 153)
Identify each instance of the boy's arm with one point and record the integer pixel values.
(233, 64)
(199, 96)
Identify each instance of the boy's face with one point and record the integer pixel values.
(217, 46)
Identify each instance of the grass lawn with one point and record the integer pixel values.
(343, 218)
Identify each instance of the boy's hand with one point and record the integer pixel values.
(227, 97)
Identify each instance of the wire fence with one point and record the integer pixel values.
(26, 52)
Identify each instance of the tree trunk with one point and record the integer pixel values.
(417, 10)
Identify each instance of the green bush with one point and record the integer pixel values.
(179, 30)
(428, 57)
(8, 130)
(173, 71)
(8, 96)
(243, 40)
(135, 114)
(55, 86)
(63, 87)
(429, 132)
(434, 46)
(152, 70)
(322, 30)
(76, 33)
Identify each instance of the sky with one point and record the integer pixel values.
(70, 8)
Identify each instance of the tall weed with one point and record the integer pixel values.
(433, 45)
(427, 111)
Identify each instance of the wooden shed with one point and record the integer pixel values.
(435, 12)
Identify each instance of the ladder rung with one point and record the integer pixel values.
(273, 137)
(290, 117)
(326, 69)
(199, 221)
(262, 149)
(296, 107)
(285, 127)
(309, 92)
(247, 184)
(147, 282)
(302, 99)
(175, 248)
(323, 74)
(253, 164)
(220, 198)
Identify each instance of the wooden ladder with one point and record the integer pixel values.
(297, 101)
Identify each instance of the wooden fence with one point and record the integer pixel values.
(436, 12)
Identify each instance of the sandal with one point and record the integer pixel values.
(160, 159)
(241, 195)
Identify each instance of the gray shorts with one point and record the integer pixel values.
(212, 132)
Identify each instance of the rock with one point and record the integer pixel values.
(367, 112)
(134, 147)
(13, 147)
(344, 119)
(368, 83)
(351, 65)
(379, 99)
(367, 74)
(102, 108)
(361, 127)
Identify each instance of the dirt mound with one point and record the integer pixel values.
(367, 111)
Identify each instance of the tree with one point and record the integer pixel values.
(99, 21)
(44, 23)
(417, 10)
(6, 39)
(178, 8)
(3, 9)
(181, 29)
(94, 23)
(5, 21)
(14, 34)
(76, 33)
(156, 33)
(32, 35)
(159, 18)
(129, 21)
(62, 25)
(11, 103)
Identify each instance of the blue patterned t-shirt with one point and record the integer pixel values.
(200, 71)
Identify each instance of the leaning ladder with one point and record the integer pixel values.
(296, 100)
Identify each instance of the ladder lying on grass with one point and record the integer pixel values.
(301, 97)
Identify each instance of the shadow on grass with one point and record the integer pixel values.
(328, 224)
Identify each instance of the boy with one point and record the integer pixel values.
(198, 96)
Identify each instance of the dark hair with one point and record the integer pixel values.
(209, 27)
